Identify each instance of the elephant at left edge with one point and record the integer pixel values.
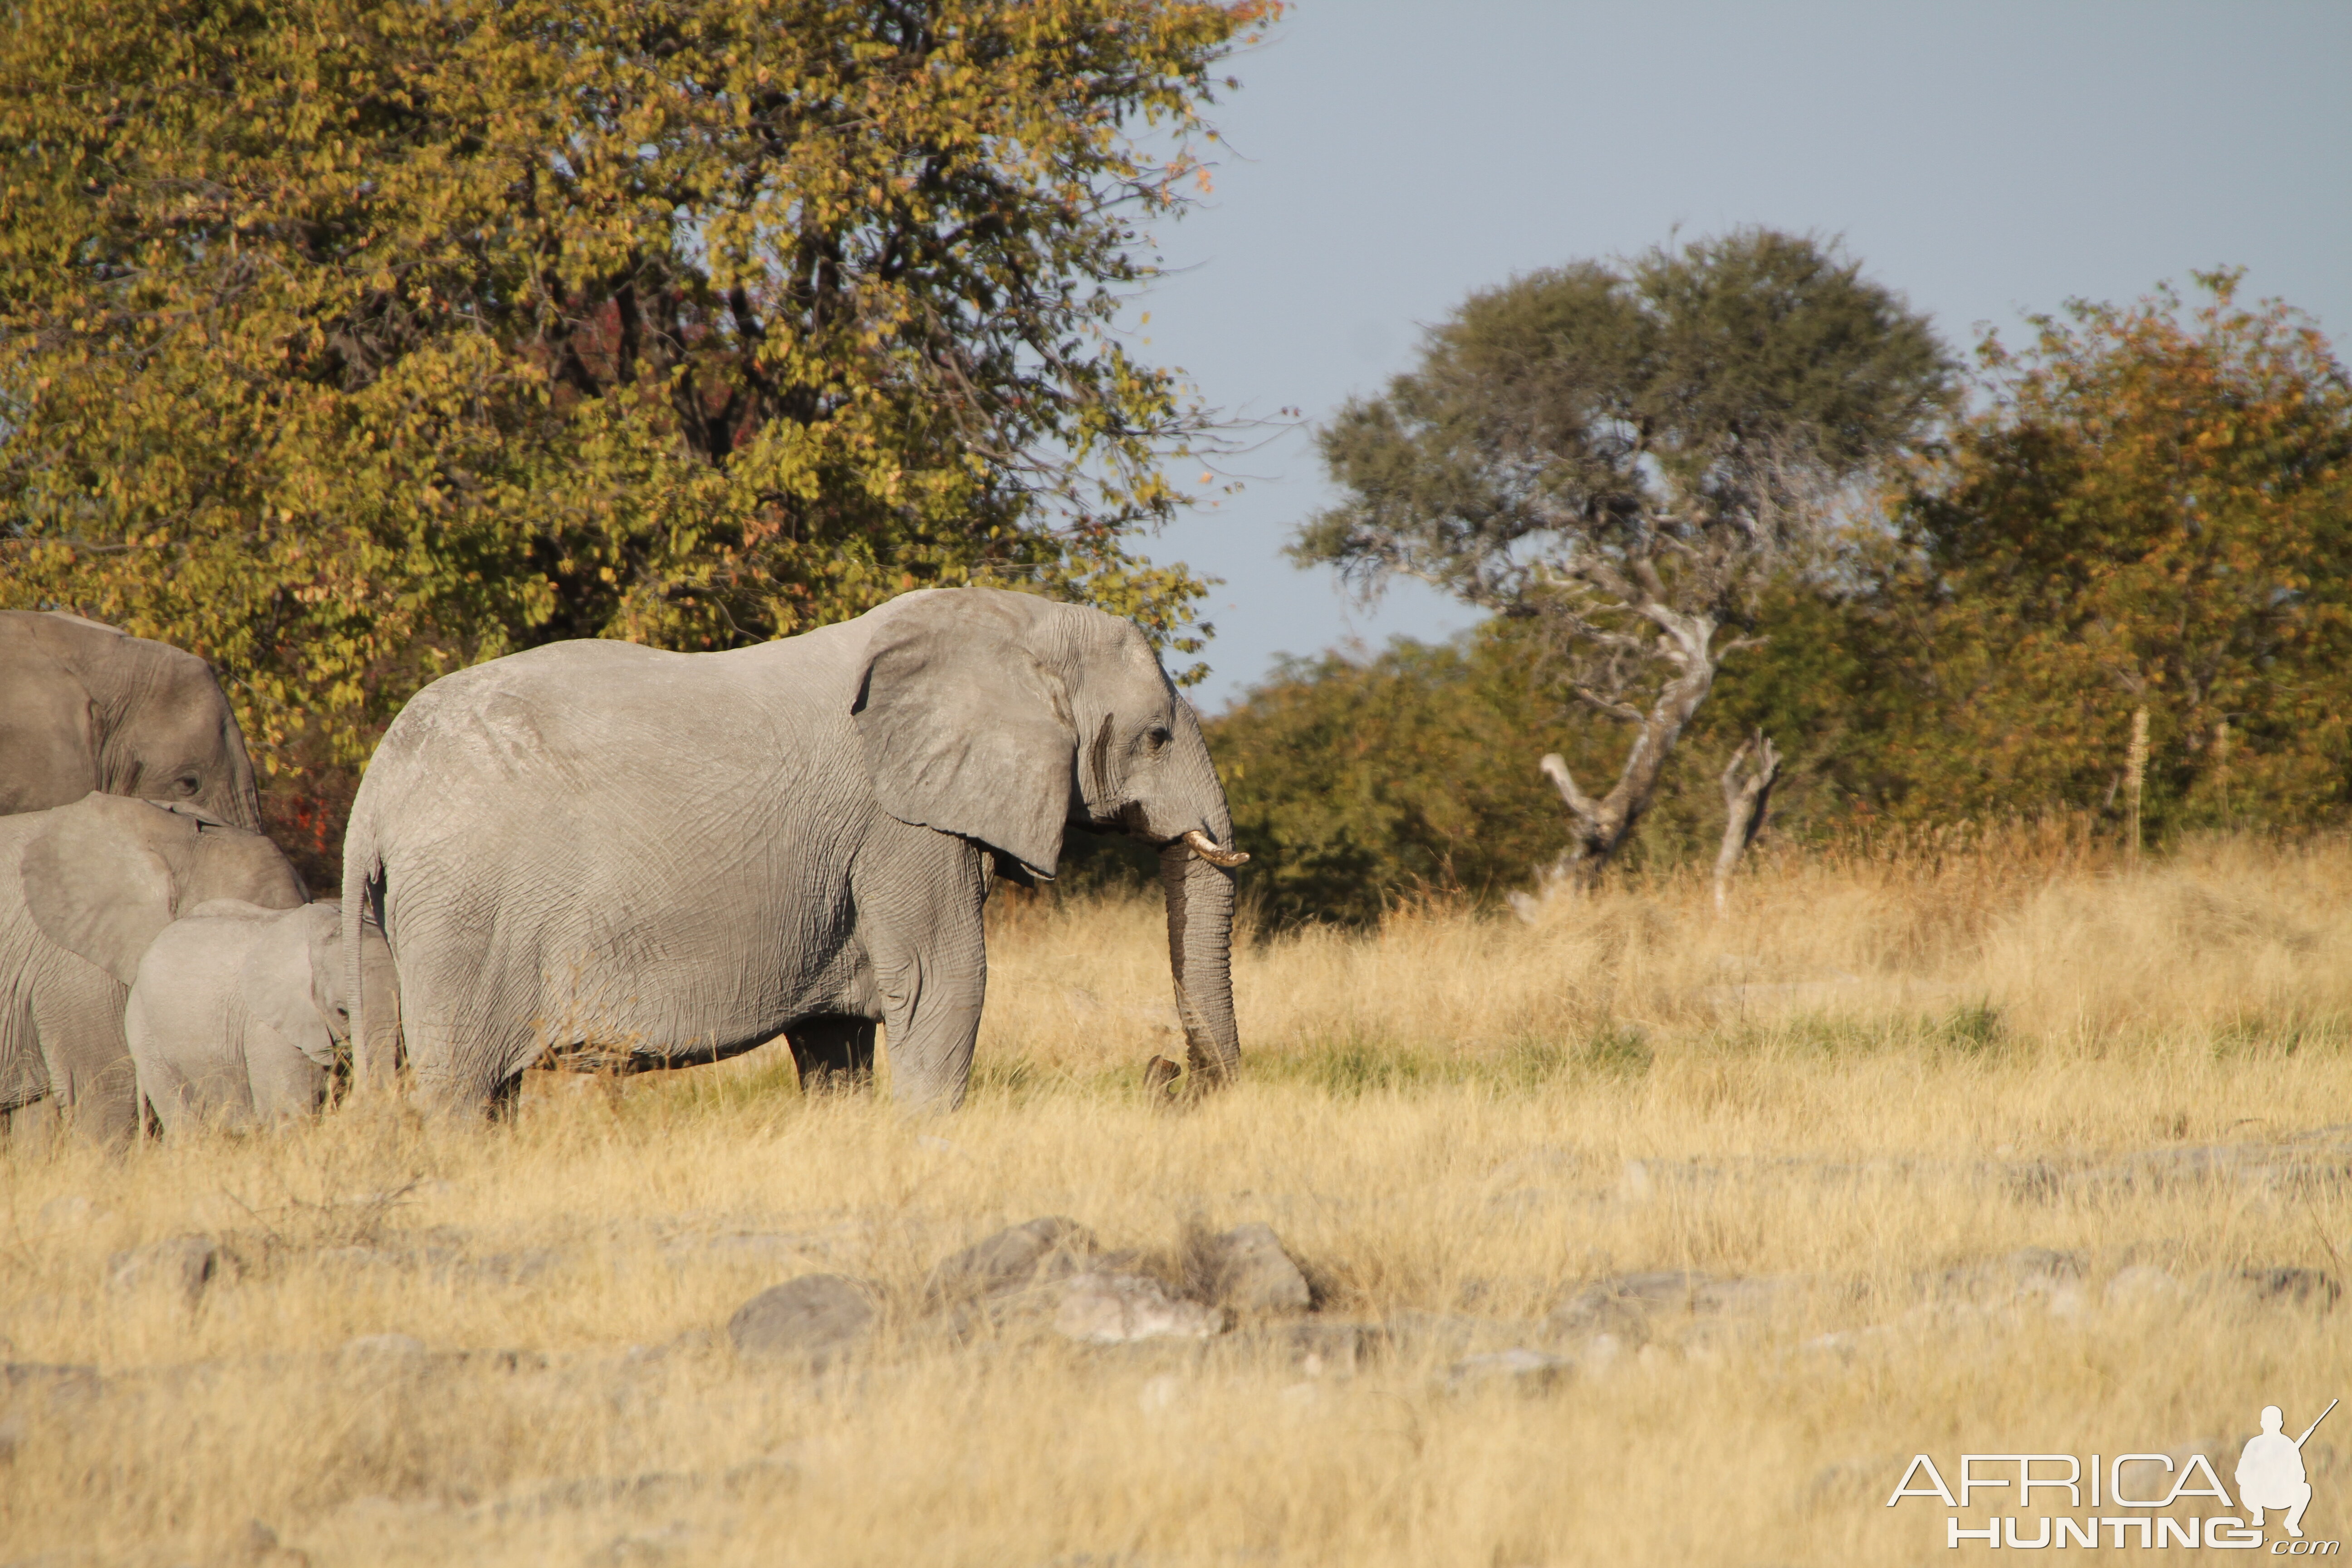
(84, 890)
(84, 705)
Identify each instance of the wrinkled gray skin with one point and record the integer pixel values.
(84, 706)
(634, 856)
(237, 1011)
(84, 889)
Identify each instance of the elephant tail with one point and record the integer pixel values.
(369, 978)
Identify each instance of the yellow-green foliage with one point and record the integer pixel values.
(2155, 511)
(341, 342)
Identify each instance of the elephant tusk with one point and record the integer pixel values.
(1206, 849)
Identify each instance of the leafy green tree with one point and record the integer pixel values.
(1629, 459)
(2152, 514)
(343, 342)
(1360, 781)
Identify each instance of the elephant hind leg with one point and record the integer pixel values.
(833, 1053)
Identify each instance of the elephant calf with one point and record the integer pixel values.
(238, 1012)
(84, 889)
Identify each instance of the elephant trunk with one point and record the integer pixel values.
(241, 802)
(1200, 955)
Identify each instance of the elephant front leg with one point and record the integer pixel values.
(919, 895)
(833, 1053)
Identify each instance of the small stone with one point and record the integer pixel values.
(1320, 1349)
(1118, 1309)
(1623, 1306)
(816, 1319)
(352, 1260)
(1519, 1369)
(2141, 1283)
(1597, 1353)
(2299, 1287)
(383, 1347)
(1047, 1248)
(183, 1266)
(68, 1213)
(1251, 1273)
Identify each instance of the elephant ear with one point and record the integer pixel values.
(278, 981)
(97, 882)
(963, 728)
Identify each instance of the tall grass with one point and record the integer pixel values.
(1881, 1070)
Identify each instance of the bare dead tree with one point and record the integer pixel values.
(1627, 460)
(1747, 796)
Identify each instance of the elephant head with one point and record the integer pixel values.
(1005, 719)
(294, 985)
(84, 705)
(107, 873)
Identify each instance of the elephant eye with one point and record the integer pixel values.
(1156, 737)
(187, 786)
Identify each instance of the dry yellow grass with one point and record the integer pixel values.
(1878, 1075)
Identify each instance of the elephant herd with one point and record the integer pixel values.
(590, 855)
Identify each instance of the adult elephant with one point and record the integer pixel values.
(643, 857)
(84, 706)
(84, 889)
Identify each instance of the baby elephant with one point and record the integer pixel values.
(237, 1013)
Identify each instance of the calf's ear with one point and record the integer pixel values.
(280, 979)
(97, 882)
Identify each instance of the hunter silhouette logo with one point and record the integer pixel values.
(2270, 1471)
(2143, 1490)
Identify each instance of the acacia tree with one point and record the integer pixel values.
(1627, 456)
(2142, 547)
(345, 340)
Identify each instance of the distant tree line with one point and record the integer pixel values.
(2117, 581)
(344, 343)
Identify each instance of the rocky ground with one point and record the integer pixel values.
(842, 1385)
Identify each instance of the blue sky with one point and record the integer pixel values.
(1986, 159)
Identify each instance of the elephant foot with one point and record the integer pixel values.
(1162, 1085)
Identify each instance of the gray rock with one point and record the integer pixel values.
(1442, 1336)
(21, 1378)
(1053, 1247)
(1249, 1272)
(816, 1319)
(2138, 1284)
(27, 1387)
(512, 1268)
(1118, 1309)
(1519, 1370)
(342, 1261)
(2298, 1287)
(647, 1547)
(1624, 1306)
(388, 1350)
(1315, 1348)
(1630, 1308)
(70, 1213)
(180, 1267)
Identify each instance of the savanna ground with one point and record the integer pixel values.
(2019, 1149)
